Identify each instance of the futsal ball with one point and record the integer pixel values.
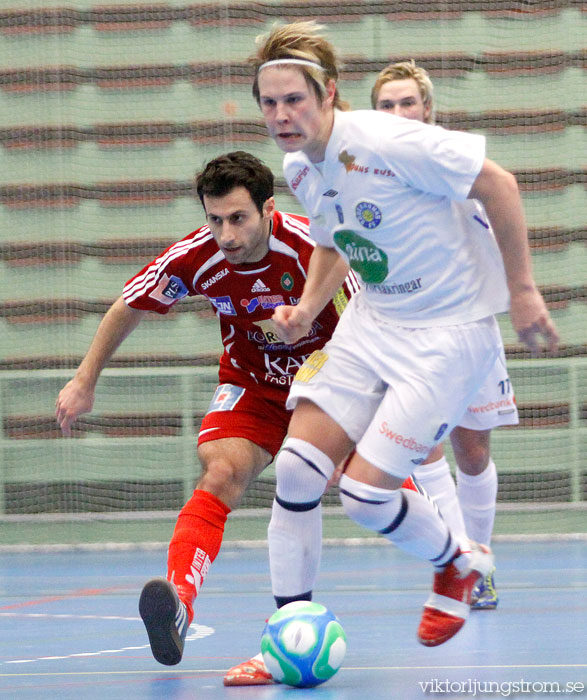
(303, 644)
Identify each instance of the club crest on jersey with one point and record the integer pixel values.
(368, 214)
(287, 281)
(169, 289)
(224, 305)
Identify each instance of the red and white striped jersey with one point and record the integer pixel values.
(244, 297)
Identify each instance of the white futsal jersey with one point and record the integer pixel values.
(391, 196)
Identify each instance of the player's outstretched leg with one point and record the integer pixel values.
(447, 608)
(166, 620)
(251, 672)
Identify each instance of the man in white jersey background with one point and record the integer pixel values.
(248, 259)
(406, 90)
(417, 342)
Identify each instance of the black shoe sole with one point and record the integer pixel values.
(158, 607)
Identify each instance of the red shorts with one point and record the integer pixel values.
(238, 412)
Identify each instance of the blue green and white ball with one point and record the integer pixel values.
(303, 644)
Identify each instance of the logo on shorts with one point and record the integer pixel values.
(408, 442)
(365, 258)
(226, 397)
(368, 214)
(440, 432)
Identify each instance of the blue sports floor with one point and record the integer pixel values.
(69, 627)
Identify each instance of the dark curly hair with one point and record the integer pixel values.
(237, 169)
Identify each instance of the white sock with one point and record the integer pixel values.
(295, 546)
(477, 495)
(295, 530)
(407, 518)
(436, 479)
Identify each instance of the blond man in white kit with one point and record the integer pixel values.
(406, 90)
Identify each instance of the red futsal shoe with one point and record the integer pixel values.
(447, 608)
(251, 672)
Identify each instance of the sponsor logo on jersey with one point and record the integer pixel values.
(330, 193)
(224, 305)
(281, 370)
(400, 288)
(300, 175)
(218, 276)
(340, 301)
(368, 214)
(225, 397)
(266, 301)
(287, 281)
(383, 171)
(169, 290)
(348, 160)
(365, 258)
(339, 213)
(267, 335)
(259, 286)
(409, 443)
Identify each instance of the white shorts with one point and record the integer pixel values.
(495, 404)
(397, 391)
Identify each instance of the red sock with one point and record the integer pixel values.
(195, 544)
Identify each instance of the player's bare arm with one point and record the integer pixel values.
(77, 396)
(498, 191)
(326, 273)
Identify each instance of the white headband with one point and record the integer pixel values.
(295, 61)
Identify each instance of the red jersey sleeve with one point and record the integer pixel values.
(170, 276)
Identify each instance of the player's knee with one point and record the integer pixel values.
(474, 459)
(225, 480)
(302, 472)
(369, 506)
(472, 450)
